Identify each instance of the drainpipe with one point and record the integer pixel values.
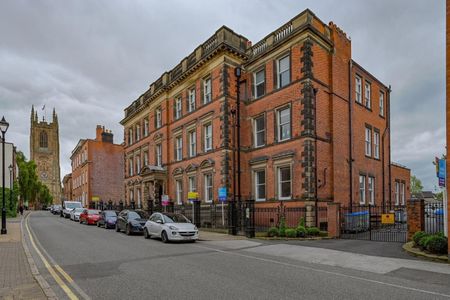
(238, 128)
(350, 131)
(388, 122)
(315, 91)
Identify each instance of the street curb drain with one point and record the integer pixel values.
(48, 291)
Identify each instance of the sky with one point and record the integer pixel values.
(90, 59)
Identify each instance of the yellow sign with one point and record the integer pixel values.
(387, 219)
(95, 198)
(192, 195)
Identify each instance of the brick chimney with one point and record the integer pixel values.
(98, 133)
(107, 136)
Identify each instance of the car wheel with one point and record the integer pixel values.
(98, 224)
(193, 241)
(146, 234)
(128, 230)
(117, 228)
(164, 237)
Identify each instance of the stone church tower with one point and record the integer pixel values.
(44, 150)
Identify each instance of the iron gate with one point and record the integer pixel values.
(375, 223)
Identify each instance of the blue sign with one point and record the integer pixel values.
(442, 168)
(441, 182)
(222, 194)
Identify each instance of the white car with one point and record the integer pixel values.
(75, 214)
(170, 227)
(68, 207)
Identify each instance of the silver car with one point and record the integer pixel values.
(170, 227)
(75, 214)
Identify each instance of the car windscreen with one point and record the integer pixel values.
(175, 218)
(73, 205)
(93, 212)
(132, 215)
(79, 210)
(110, 214)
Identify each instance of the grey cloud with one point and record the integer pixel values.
(90, 59)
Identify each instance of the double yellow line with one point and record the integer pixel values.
(51, 269)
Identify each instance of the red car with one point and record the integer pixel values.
(90, 216)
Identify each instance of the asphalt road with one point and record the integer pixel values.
(104, 264)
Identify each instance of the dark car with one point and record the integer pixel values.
(131, 221)
(108, 219)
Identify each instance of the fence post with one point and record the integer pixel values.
(416, 216)
(250, 218)
(196, 208)
(333, 219)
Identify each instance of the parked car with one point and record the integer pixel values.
(75, 213)
(68, 207)
(108, 219)
(90, 216)
(170, 227)
(56, 209)
(131, 221)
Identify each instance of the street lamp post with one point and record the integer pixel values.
(3, 128)
(10, 187)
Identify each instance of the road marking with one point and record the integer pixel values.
(326, 272)
(50, 269)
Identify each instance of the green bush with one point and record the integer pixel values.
(323, 233)
(273, 231)
(301, 231)
(423, 242)
(437, 244)
(301, 222)
(312, 231)
(418, 236)
(291, 233)
(282, 231)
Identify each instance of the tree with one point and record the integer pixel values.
(416, 185)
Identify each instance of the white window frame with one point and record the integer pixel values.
(138, 132)
(371, 189)
(402, 193)
(179, 148)
(191, 100)
(158, 118)
(192, 181)
(376, 144)
(279, 125)
(358, 89)
(362, 189)
(207, 91)
(367, 94)
(159, 155)
(209, 191)
(207, 129)
(131, 166)
(259, 197)
(382, 104)
(146, 127)
(368, 141)
(256, 131)
(130, 137)
(138, 164)
(280, 183)
(257, 83)
(192, 143)
(397, 193)
(179, 191)
(178, 108)
(279, 71)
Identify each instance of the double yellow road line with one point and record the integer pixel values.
(51, 268)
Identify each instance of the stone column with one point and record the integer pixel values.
(310, 214)
(333, 219)
(416, 217)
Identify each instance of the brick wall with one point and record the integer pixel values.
(416, 217)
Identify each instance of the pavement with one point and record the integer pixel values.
(16, 278)
(94, 263)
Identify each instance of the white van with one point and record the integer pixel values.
(68, 207)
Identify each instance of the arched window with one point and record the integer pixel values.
(43, 139)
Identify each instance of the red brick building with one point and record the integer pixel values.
(97, 169)
(314, 123)
(67, 187)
